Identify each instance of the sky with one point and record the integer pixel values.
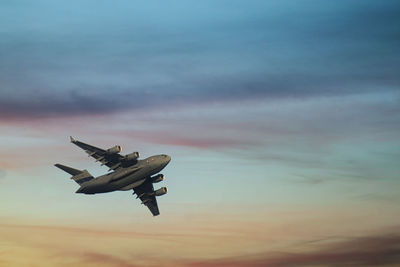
(282, 119)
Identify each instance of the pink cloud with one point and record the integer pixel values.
(173, 246)
(176, 139)
(365, 251)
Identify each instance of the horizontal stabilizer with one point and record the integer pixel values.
(70, 170)
(77, 175)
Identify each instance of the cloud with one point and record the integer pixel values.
(119, 61)
(281, 238)
(365, 251)
(187, 138)
(388, 198)
(309, 180)
(101, 259)
(2, 174)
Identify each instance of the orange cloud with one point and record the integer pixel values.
(66, 246)
(366, 251)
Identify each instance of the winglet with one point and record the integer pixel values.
(72, 139)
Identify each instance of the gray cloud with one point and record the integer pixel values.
(100, 258)
(366, 251)
(379, 197)
(104, 62)
(3, 174)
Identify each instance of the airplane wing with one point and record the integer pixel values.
(113, 161)
(145, 193)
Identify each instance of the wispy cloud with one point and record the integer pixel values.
(52, 67)
(99, 259)
(388, 197)
(366, 251)
(62, 246)
(2, 174)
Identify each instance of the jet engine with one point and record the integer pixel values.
(132, 156)
(158, 178)
(114, 150)
(160, 192)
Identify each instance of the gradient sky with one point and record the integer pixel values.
(282, 119)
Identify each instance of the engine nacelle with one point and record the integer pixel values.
(160, 192)
(132, 156)
(158, 178)
(114, 150)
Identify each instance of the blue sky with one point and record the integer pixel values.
(100, 56)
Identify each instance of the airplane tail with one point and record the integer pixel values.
(77, 175)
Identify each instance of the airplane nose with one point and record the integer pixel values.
(167, 159)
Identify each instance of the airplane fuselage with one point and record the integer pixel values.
(126, 178)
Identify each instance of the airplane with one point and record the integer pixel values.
(128, 173)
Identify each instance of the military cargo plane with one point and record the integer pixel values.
(127, 173)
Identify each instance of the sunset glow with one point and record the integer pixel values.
(282, 119)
